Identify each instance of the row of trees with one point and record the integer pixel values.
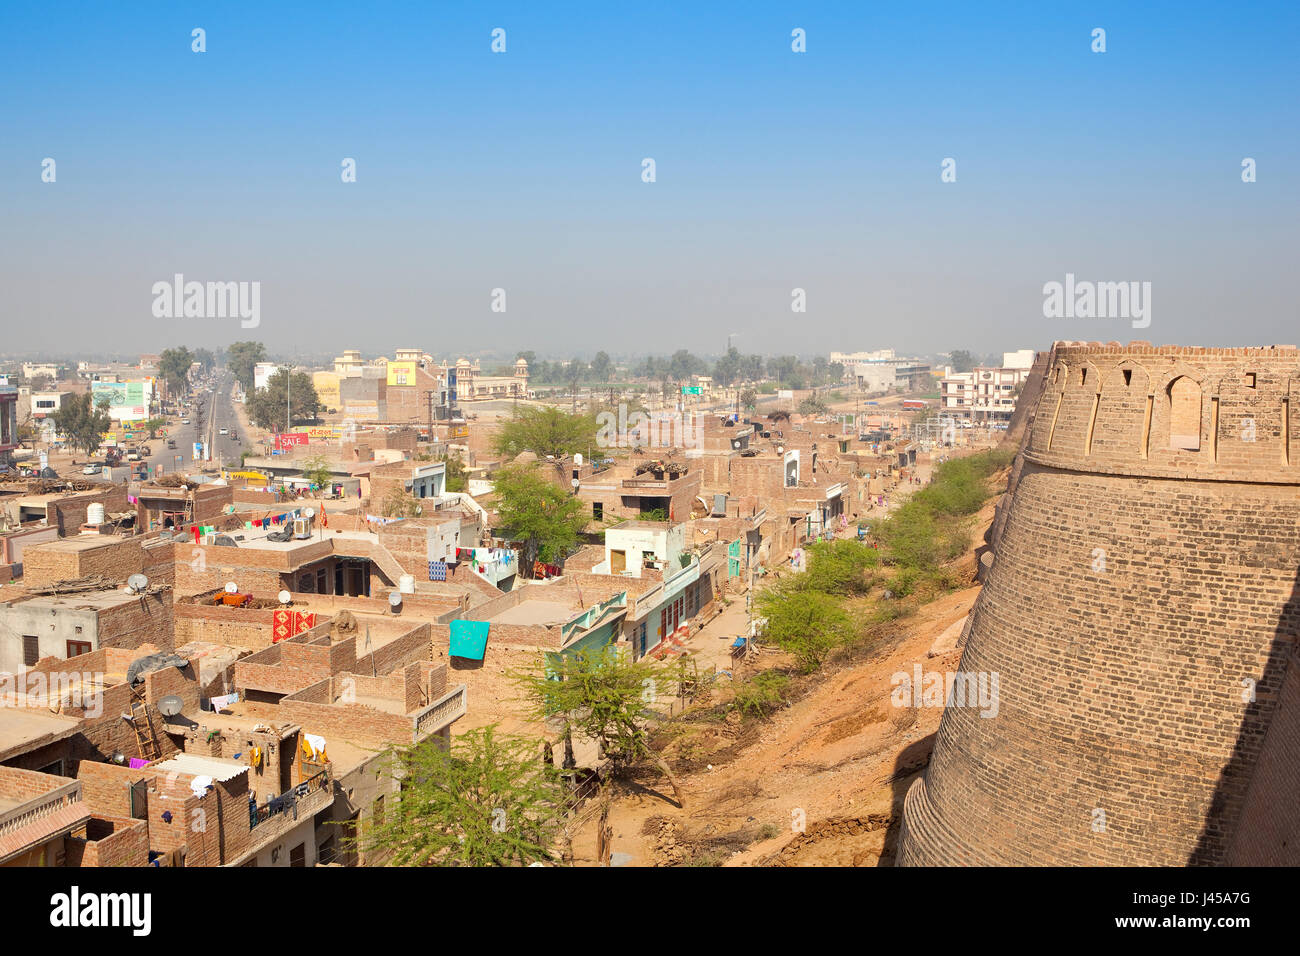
(731, 368)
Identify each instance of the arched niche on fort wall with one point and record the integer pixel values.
(1123, 408)
(1077, 405)
(1040, 438)
(1180, 418)
(1250, 412)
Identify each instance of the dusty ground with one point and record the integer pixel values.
(818, 783)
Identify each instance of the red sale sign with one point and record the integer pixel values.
(286, 440)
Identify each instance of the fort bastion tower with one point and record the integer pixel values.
(1141, 612)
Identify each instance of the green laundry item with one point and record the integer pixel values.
(469, 639)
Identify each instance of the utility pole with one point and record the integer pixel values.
(288, 377)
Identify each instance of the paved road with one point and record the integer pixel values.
(218, 412)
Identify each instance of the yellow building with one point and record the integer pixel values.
(327, 389)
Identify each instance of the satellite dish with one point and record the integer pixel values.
(232, 587)
(394, 599)
(170, 705)
(285, 597)
(137, 582)
(309, 512)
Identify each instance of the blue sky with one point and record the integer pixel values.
(522, 171)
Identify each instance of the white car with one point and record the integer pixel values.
(90, 470)
(225, 431)
(185, 421)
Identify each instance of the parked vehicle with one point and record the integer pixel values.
(185, 421)
(92, 470)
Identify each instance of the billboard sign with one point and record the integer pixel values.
(286, 440)
(401, 373)
(362, 409)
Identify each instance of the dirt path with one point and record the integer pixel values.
(821, 782)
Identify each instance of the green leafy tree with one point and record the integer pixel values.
(812, 405)
(601, 696)
(207, 361)
(805, 623)
(457, 475)
(727, 369)
(174, 367)
(538, 514)
(399, 503)
(749, 400)
(601, 367)
(82, 421)
(491, 800)
(316, 469)
(153, 424)
(546, 430)
(840, 566)
(266, 406)
(961, 360)
(240, 359)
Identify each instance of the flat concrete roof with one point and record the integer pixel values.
(82, 542)
(82, 600)
(22, 730)
(536, 612)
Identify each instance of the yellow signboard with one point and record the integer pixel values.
(401, 373)
(460, 431)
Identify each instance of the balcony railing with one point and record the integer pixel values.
(287, 802)
(39, 808)
(442, 712)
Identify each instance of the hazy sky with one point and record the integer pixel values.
(522, 170)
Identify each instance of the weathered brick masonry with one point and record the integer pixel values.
(1141, 613)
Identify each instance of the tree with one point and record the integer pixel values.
(82, 421)
(317, 470)
(805, 623)
(153, 424)
(546, 431)
(749, 400)
(727, 369)
(205, 358)
(266, 406)
(400, 503)
(751, 368)
(961, 360)
(240, 359)
(174, 367)
(601, 368)
(457, 478)
(812, 405)
(490, 800)
(838, 567)
(537, 514)
(601, 696)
